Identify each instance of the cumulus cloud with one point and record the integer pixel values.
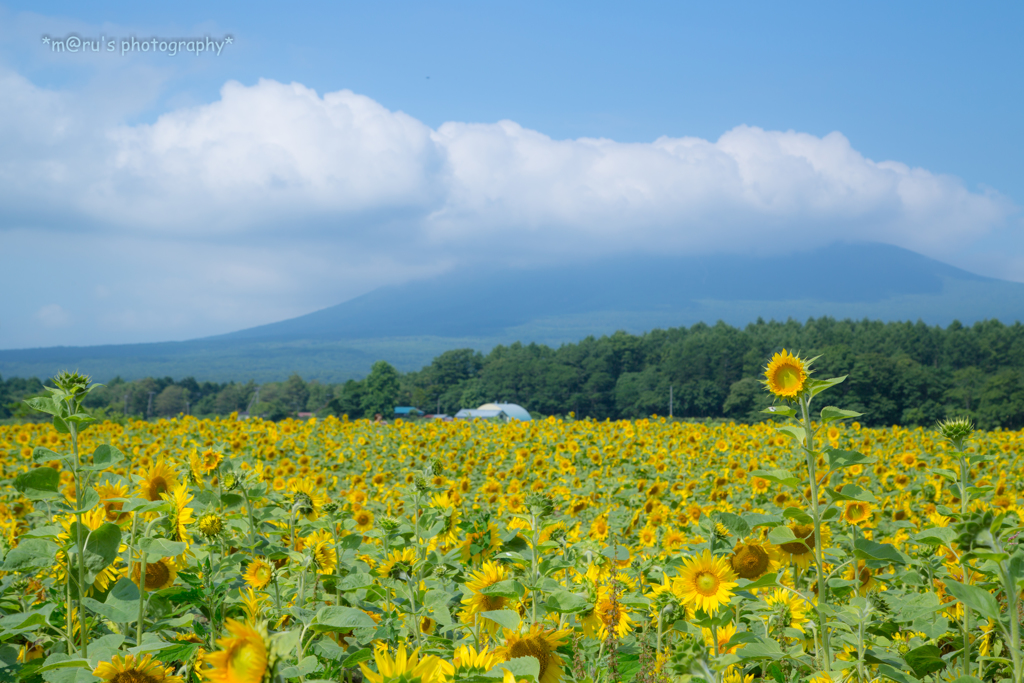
(300, 182)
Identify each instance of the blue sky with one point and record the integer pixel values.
(218, 192)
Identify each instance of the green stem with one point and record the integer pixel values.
(805, 406)
(80, 541)
(535, 573)
(142, 597)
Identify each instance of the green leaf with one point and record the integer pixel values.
(101, 547)
(565, 602)
(60, 425)
(819, 385)
(765, 581)
(871, 550)
(357, 657)
(762, 648)
(351, 542)
(520, 667)
(852, 492)
(943, 535)
(112, 612)
(895, 674)
(156, 548)
(30, 554)
(967, 679)
(838, 459)
(978, 599)
(734, 523)
(503, 617)
(502, 589)
(103, 457)
(43, 404)
(39, 482)
(45, 455)
(354, 582)
(778, 476)
(925, 660)
(797, 515)
(782, 535)
(781, 411)
(124, 596)
(335, 618)
(90, 499)
(798, 433)
(831, 414)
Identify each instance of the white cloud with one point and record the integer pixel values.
(52, 315)
(275, 200)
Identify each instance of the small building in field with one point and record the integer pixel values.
(470, 414)
(512, 410)
(407, 412)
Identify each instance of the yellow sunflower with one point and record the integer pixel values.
(705, 581)
(397, 561)
(112, 508)
(324, 557)
(259, 573)
(540, 643)
(159, 574)
(474, 603)
(180, 515)
(725, 634)
(785, 375)
(801, 551)
(157, 480)
(406, 667)
(752, 560)
(210, 460)
(364, 520)
(128, 670)
(468, 661)
(864, 576)
(857, 512)
(608, 614)
(243, 657)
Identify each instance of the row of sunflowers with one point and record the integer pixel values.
(246, 551)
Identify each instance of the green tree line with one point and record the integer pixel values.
(899, 373)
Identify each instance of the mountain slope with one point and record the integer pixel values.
(410, 324)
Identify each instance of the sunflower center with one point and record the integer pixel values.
(493, 602)
(787, 377)
(157, 485)
(157, 575)
(132, 676)
(534, 646)
(750, 561)
(245, 662)
(806, 535)
(706, 583)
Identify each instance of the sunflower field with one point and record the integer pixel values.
(806, 548)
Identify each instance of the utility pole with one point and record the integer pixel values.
(149, 408)
(670, 400)
(126, 395)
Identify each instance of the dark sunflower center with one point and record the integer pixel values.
(132, 676)
(157, 485)
(494, 602)
(157, 575)
(750, 561)
(534, 646)
(805, 534)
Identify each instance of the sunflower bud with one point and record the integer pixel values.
(388, 524)
(330, 507)
(303, 503)
(421, 484)
(436, 467)
(72, 383)
(956, 431)
(540, 505)
(231, 481)
(210, 524)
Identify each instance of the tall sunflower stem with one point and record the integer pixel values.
(805, 408)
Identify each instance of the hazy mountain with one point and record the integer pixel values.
(409, 324)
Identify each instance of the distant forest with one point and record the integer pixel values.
(899, 373)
